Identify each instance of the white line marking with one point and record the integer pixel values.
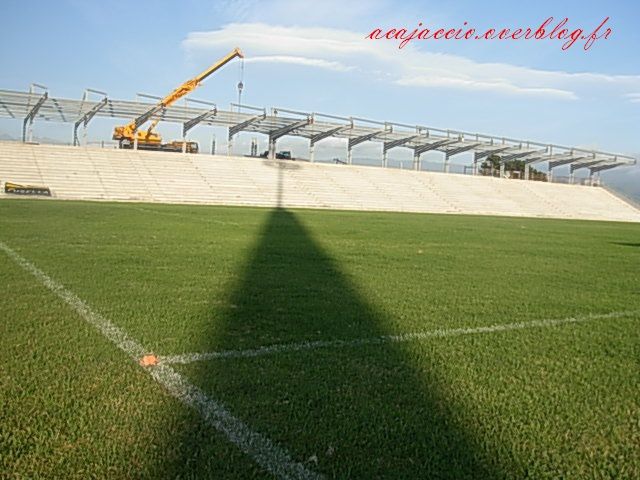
(271, 457)
(404, 337)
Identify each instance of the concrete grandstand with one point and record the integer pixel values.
(83, 173)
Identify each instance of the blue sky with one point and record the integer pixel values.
(313, 56)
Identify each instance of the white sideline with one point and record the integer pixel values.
(405, 337)
(271, 457)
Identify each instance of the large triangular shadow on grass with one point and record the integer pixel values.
(363, 412)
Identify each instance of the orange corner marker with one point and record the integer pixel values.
(148, 360)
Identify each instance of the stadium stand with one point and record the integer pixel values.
(83, 173)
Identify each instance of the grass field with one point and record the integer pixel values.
(381, 367)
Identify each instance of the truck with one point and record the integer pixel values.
(281, 155)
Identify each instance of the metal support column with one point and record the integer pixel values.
(234, 129)
(32, 115)
(86, 118)
(189, 124)
(477, 156)
(605, 166)
(562, 159)
(357, 140)
(578, 165)
(419, 150)
(282, 131)
(321, 136)
(386, 146)
(455, 151)
(272, 149)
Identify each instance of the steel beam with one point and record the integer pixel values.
(274, 135)
(362, 138)
(7, 109)
(565, 159)
(248, 107)
(515, 156)
(146, 116)
(577, 166)
(287, 129)
(242, 125)
(386, 146)
(540, 158)
(86, 118)
(333, 117)
(365, 138)
(600, 168)
(328, 133)
(32, 115)
(433, 146)
(457, 150)
(534, 158)
(276, 110)
(479, 155)
(14, 103)
(321, 136)
(60, 112)
(189, 124)
(420, 149)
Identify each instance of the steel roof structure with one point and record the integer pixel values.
(278, 122)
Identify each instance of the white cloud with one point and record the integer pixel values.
(495, 86)
(343, 50)
(633, 97)
(308, 62)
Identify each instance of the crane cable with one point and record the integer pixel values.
(240, 83)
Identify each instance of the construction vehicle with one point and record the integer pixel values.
(281, 155)
(128, 135)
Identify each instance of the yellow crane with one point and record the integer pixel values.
(128, 134)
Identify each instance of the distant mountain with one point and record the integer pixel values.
(36, 139)
(49, 140)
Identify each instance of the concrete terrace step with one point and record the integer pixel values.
(126, 175)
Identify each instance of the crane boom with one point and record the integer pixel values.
(130, 132)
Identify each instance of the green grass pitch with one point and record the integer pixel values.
(557, 401)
